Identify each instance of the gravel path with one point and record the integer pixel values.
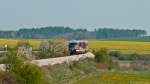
(59, 60)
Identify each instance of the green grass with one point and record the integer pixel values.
(115, 78)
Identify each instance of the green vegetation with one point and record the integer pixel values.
(69, 73)
(70, 33)
(115, 78)
(122, 46)
(57, 47)
(139, 38)
(116, 75)
(101, 55)
(87, 71)
(24, 73)
(108, 33)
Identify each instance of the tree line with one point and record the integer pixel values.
(70, 33)
(118, 33)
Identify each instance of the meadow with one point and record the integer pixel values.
(123, 46)
(101, 77)
(13, 42)
(116, 78)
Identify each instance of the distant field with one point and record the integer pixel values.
(13, 42)
(123, 46)
(116, 78)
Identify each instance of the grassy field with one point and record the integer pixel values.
(105, 77)
(13, 42)
(116, 78)
(123, 46)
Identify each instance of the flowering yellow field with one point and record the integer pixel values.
(115, 78)
(123, 46)
(13, 42)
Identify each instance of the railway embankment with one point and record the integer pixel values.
(58, 60)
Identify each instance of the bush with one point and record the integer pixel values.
(101, 55)
(115, 53)
(24, 73)
(112, 65)
(24, 50)
(44, 50)
(31, 74)
(25, 53)
(58, 47)
(7, 78)
(133, 56)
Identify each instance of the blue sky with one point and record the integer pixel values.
(131, 14)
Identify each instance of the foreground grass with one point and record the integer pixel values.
(123, 46)
(69, 73)
(116, 78)
(66, 73)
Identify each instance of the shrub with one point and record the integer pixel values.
(115, 53)
(3, 57)
(24, 50)
(31, 74)
(101, 55)
(133, 56)
(7, 78)
(112, 65)
(55, 48)
(24, 73)
(44, 46)
(58, 47)
(44, 50)
(25, 53)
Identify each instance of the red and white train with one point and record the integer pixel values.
(78, 47)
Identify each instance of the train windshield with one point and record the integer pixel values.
(72, 45)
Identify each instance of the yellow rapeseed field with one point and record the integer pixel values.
(13, 42)
(123, 46)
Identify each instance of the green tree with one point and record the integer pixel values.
(101, 55)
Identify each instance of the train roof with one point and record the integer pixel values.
(78, 41)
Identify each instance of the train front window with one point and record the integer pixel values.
(72, 45)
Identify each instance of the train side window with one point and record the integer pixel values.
(83, 45)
